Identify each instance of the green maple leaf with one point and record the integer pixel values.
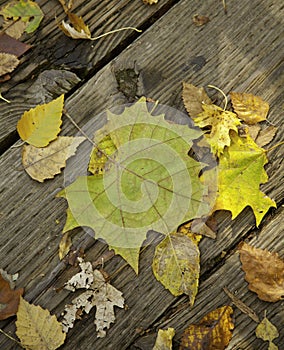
(149, 183)
(240, 173)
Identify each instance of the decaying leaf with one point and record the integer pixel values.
(214, 330)
(137, 194)
(164, 339)
(26, 10)
(41, 125)
(221, 123)
(264, 272)
(266, 135)
(194, 98)
(267, 331)
(44, 163)
(37, 329)
(250, 108)
(64, 245)
(12, 46)
(176, 264)
(240, 173)
(99, 293)
(200, 20)
(14, 29)
(9, 299)
(78, 30)
(8, 63)
(99, 156)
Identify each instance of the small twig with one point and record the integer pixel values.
(78, 127)
(224, 5)
(225, 97)
(4, 99)
(115, 31)
(18, 146)
(242, 306)
(8, 336)
(275, 146)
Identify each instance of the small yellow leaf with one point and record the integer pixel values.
(267, 331)
(176, 265)
(41, 124)
(45, 163)
(37, 329)
(194, 98)
(8, 63)
(251, 109)
(64, 245)
(164, 339)
(214, 330)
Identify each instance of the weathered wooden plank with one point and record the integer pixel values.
(53, 50)
(32, 212)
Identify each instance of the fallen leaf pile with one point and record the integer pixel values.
(99, 293)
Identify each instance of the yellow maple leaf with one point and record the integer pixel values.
(37, 329)
(40, 125)
(214, 330)
(249, 108)
(221, 122)
(45, 163)
(240, 173)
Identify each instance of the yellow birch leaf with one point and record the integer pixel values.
(176, 264)
(214, 330)
(40, 125)
(193, 99)
(267, 331)
(221, 122)
(45, 163)
(8, 63)
(240, 173)
(78, 30)
(164, 339)
(37, 329)
(251, 109)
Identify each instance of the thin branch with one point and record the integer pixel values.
(8, 336)
(225, 97)
(115, 31)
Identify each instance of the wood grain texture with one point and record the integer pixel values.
(241, 52)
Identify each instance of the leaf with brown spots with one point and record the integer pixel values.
(9, 299)
(264, 272)
(214, 331)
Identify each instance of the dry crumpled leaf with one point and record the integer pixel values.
(221, 123)
(176, 264)
(267, 331)
(44, 163)
(264, 272)
(200, 20)
(37, 329)
(250, 108)
(78, 30)
(214, 330)
(41, 125)
(8, 63)
(26, 10)
(100, 294)
(164, 339)
(9, 299)
(194, 98)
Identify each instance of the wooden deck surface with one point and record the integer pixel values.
(238, 51)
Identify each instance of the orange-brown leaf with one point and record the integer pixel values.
(264, 272)
(250, 108)
(9, 299)
(214, 331)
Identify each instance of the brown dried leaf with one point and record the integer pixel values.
(64, 245)
(9, 299)
(12, 46)
(78, 30)
(193, 99)
(265, 136)
(45, 162)
(200, 20)
(8, 63)
(214, 330)
(249, 108)
(264, 272)
(15, 29)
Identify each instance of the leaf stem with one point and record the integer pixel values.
(277, 144)
(225, 97)
(4, 99)
(224, 5)
(8, 336)
(115, 31)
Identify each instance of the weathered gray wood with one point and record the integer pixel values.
(162, 58)
(53, 50)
